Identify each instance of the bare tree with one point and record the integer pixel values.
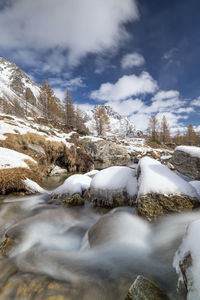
(69, 114)
(191, 135)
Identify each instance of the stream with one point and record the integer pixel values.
(58, 252)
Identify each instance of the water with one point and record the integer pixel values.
(83, 253)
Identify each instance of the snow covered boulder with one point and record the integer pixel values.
(187, 261)
(114, 186)
(186, 160)
(161, 191)
(106, 153)
(75, 184)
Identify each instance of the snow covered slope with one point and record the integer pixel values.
(15, 87)
(119, 126)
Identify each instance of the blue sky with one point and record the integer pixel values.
(142, 58)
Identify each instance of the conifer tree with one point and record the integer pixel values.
(101, 120)
(165, 133)
(69, 113)
(153, 129)
(191, 135)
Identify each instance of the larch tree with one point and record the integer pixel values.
(153, 129)
(165, 132)
(191, 135)
(101, 120)
(69, 111)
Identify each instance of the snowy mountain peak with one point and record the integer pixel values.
(119, 126)
(16, 86)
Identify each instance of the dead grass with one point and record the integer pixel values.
(11, 180)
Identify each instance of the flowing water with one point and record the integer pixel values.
(58, 252)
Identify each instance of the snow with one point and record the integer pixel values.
(75, 184)
(191, 150)
(13, 159)
(92, 173)
(33, 187)
(91, 137)
(157, 178)
(165, 157)
(116, 179)
(196, 185)
(190, 245)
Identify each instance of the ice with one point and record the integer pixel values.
(190, 246)
(157, 178)
(13, 159)
(33, 187)
(116, 179)
(73, 185)
(191, 150)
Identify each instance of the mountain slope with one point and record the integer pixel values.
(119, 126)
(16, 87)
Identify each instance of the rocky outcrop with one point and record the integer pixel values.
(145, 289)
(186, 164)
(153, 205)
(106, 154)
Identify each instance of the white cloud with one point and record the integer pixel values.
(127, 107)
(166, 95)
(85, 106)
(140, 120)
(132, 60)
(126, 86)
(71, 28)
(60, 93)
(195, 102)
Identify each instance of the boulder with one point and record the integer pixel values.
(161, 191)
(187, 162)
(106, 153)
(154, 205)
(113, 187)
(145, 289)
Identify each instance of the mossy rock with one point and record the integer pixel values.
(145, 289)
(73, 200)
(153, 205)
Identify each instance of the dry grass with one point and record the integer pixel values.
(11, 180)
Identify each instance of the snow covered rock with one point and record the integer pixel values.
(75, 184)
(33, 187)
(186, 160)
(162, 191)
(106, 154)
(114, 186)
(187, 261)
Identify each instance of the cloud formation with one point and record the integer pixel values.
(126, 86)
(72, 28)
(132, 60)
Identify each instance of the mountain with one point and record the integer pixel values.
(16, 87)
(119, 126)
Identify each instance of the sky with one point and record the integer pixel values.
(140, 57)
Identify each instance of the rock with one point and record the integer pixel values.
(145, 289)
(113, 187)
(106, 153)
(56, 170)
(153, 205)
(186, 164)
(74, 200)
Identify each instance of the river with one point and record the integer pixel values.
(58, 252)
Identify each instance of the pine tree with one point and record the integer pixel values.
(153, 129)
(165, 133)
(101, 120)
(80, 122)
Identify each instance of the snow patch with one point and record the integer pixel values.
(33, 187)
(191, 150)
(12, 159)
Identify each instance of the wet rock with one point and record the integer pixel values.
(74, 200)
(152, 205)
(6, 246)
(186, 164)
(106, 153)
(145, 289)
